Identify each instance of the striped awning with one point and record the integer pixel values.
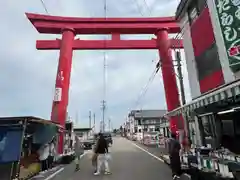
(222, 93)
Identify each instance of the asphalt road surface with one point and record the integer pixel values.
(129, 162)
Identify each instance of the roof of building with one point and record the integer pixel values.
(148, 113)
(182, 7)
(82, 129)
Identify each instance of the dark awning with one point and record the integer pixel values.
(219, 94)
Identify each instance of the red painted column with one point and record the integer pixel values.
(60, 102)
(169, 77)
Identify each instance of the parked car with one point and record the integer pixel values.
(108, 137)
(88, 143)
(150, 139)
(134, 137)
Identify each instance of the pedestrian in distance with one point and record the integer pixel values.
(175, 163)
(95, 156)
(102, 151)
(79, 150)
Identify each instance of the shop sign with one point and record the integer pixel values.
(229, 18)
(58, 94)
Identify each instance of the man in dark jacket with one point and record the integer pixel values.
(102, 150)
(175, 163)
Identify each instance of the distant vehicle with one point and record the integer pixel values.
(150, 138)
(88, 143)
(108, 137)
(134, 137)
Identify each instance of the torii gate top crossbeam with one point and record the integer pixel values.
(55, 24)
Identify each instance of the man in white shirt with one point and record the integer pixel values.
(52, 153)
(43, 156)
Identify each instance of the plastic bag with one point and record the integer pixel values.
(108, 156)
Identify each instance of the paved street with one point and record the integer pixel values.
(128, 162)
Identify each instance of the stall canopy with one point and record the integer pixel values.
(219, 94)
(14, 129)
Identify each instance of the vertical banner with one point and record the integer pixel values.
(229, 18)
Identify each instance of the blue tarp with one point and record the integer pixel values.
(10, 144)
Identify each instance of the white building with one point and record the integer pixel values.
(140, 121)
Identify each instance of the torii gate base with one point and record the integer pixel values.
(69, 27)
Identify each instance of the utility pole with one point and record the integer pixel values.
(101, 126)
(182, 91)
(94, 122)
(103, 114)
(109, 124)
(180, 76)
(90, 119)
(76, 120)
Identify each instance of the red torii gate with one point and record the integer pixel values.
(69, 27)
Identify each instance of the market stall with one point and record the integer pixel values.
(26, 135)
(214, 130)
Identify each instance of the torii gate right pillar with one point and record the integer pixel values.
(169, 77)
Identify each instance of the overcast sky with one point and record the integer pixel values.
(28, 75)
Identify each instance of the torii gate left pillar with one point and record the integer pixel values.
(60, 102)
(69, 27)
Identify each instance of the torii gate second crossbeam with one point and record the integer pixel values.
(69, 27)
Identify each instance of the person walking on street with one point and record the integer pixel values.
(175, 163)
(43, 156)
(79, 150)
(52, 153)
(95, 156)
(102, 151)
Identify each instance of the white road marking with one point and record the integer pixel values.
(158, 158)
(60, 170)
(54, 174)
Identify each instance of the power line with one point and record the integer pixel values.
(138, 7)
(148, 8)
(146, 87)
(44, 6)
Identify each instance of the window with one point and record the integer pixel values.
(207, 129)
(151, 129)
(139, 122)
(228, 127)
(135, 130)
(208, 62)
(206, 126)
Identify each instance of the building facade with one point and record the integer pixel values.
(140, 121)
(211, 38)
(211, 42)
